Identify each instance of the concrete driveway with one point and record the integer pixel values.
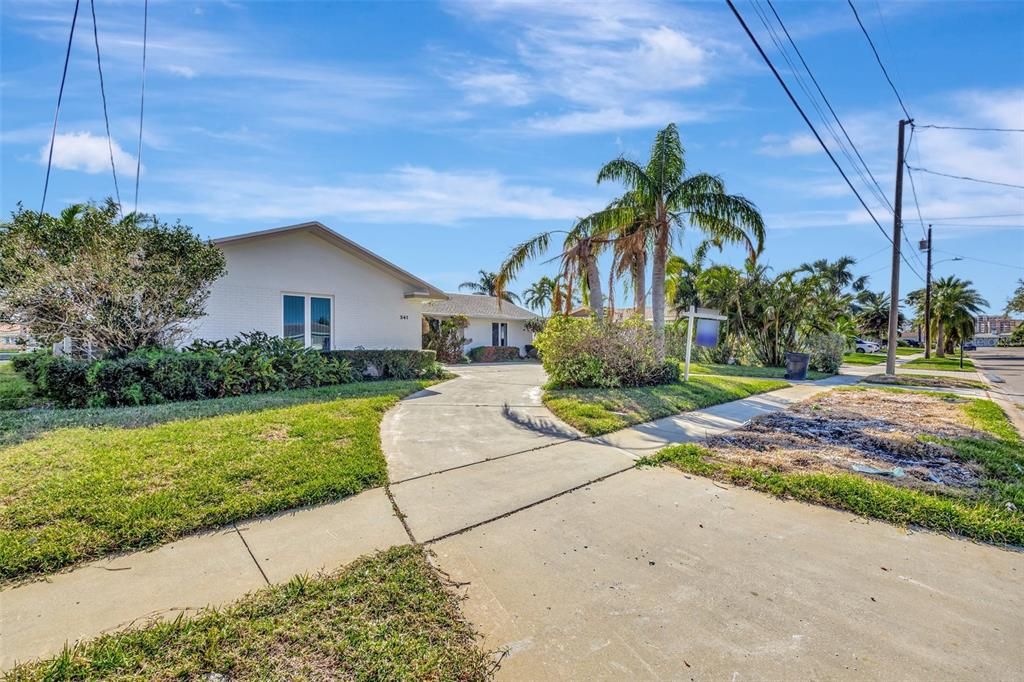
(583, 567)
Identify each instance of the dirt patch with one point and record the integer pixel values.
(876, 434)
(275, 433)
(924, 380)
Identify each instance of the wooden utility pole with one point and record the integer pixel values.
(897, 229)
(928, 300)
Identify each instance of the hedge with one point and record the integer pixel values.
(251, 363)
(388, 364)
(493, 353)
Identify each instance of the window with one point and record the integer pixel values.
(499, 334)
(320, 323)
(307, 319)
(295, 318)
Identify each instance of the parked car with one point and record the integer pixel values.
(863, 346)
(913, 343)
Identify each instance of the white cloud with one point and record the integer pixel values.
(612, 63)
(86, 152)
(410, 194)
(507, 88)
(793, 145)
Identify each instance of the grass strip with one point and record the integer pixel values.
(976, 519)
(947, 364)
(78, 493)
(384, 617)
(601, 410)
(747, 371)
(863, 358)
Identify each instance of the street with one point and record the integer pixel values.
(1006, 364)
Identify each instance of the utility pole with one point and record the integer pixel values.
(928, 299)
(897, 229)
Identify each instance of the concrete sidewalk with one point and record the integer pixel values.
(209, 569)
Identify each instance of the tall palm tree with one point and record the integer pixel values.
(485, 286)
(664, 200)
(539, 294)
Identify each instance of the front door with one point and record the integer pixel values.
(499, 334)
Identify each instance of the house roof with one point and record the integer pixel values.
(422, 288)
(475, 305)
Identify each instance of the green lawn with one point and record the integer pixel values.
(928, 380)
(78, 484)
(950, 363)
(863, 358)
(987, 516)
(747, 371)
(598, 410)
(15, 391)
(905, 350)
(385, 617)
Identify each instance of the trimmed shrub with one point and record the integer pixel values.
(445, 337)
(389, 364)
(493, 353)
(587, 353)
(252, 363)
(826, 351)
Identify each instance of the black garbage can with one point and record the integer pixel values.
(796, 365)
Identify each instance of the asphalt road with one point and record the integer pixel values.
(1006, 363)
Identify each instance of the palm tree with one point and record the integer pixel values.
(662, 199)
(954, 302)
(539, 294)
(837, 274)
(580, 250)
(485, 286)
(873, 313)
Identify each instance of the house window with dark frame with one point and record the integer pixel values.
(499, 334)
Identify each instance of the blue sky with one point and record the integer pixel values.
(440, 135)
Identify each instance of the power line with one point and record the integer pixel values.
(879, 59)
(976, 217)
(56, 113)
(810, 125)
(982, 260)
(828, 104)
(983, 130)
(969, 179)
(103, 95)
(982, 225)
(142, 101)
(913, 189)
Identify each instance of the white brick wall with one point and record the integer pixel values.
(369, 303)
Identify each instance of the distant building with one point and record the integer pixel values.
(995, 324)
(13, 337)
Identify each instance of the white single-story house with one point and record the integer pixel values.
(489, 323)
(309, 283)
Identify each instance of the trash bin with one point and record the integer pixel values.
(796, 365)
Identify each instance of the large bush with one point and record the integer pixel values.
(105, 281)
(252, 363)
(445, 336)
(826, 351)
(588, 353)
(494, 353)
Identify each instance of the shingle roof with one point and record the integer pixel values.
(474, 305)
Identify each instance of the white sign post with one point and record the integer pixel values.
(692, 315)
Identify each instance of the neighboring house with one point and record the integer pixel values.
(13, 337)
(489, 324)
(309, 283)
